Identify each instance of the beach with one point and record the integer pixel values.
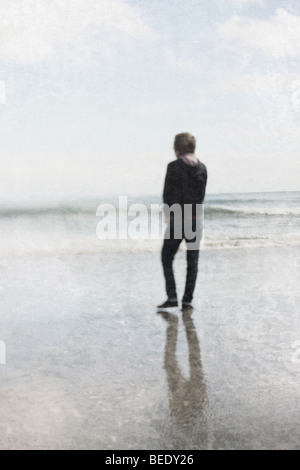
(122, 123)
(90, 364)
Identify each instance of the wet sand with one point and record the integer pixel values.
(92, 365)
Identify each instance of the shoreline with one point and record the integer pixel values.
(134, 251)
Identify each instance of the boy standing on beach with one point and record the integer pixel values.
(183, 196)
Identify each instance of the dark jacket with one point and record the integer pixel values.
(185, 184)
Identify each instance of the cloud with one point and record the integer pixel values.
(265, 84)
(245, 3)
(277, 37)
(34, 30)
(183, 62)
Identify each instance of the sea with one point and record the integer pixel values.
(231, 221)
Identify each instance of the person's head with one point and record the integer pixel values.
(184, 143)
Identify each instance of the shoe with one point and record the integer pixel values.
(168, 304)
(187, 308)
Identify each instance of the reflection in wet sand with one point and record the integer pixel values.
(187, 397)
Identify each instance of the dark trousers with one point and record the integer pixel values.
(170, 248)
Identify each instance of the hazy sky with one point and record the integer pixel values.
(92, 93)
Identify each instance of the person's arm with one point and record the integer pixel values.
(195, 183)
(203, 183)
(168, 194)
(168, 187)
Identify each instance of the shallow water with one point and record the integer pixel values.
(231, 221)
(91, 365)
